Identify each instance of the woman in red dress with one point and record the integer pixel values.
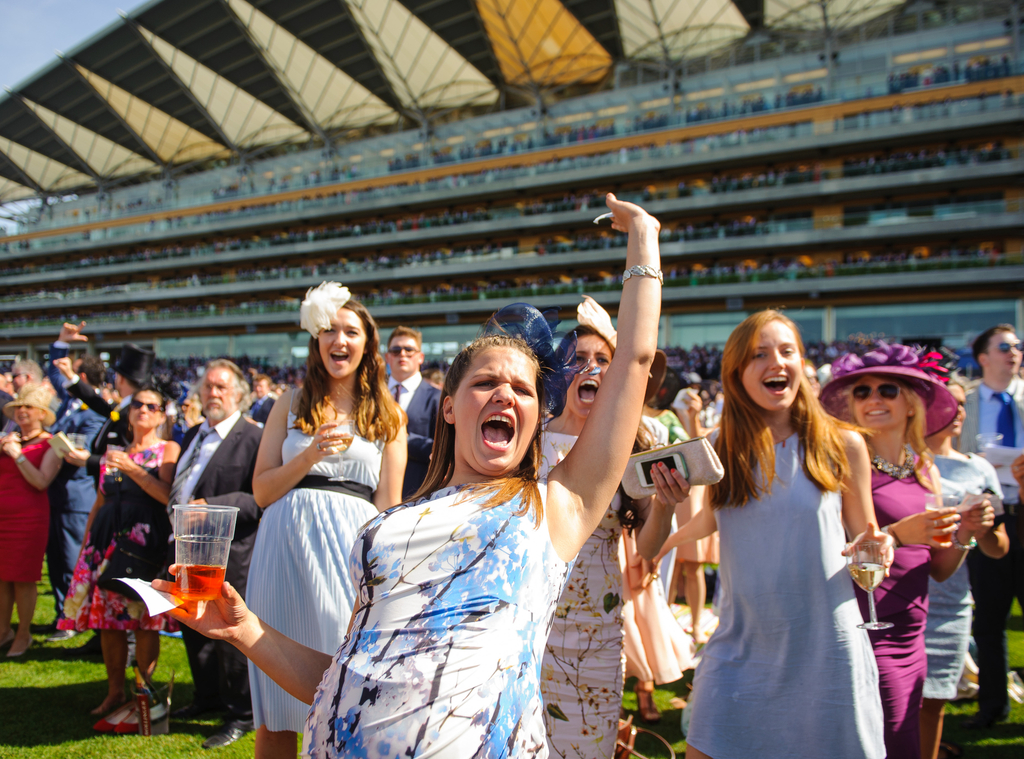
(26, 468)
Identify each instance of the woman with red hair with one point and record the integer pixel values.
(787, 672)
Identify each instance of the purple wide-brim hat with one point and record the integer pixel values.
(895, 360)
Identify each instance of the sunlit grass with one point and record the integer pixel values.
(46, 695)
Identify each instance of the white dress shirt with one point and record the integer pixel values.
(210, 446)
(989, 407)
(408, 388)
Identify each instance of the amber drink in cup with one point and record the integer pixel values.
(202, 538)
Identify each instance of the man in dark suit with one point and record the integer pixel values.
(418, 399)
(259, 412)
(216, 466)
(73, 492)
(132, 371)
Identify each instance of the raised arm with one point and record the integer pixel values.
(582, 485)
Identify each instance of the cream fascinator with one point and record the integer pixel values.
(321, 305)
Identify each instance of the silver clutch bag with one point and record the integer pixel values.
(695, 459)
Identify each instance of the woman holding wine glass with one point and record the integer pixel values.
(787, 672)
(130, 514)
(332, 455)
(888, 394)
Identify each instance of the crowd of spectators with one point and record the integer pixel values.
(976, 70)
(571, 201)
(315, 176)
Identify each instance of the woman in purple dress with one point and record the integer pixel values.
(887, 394)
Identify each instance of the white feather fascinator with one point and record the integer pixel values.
(321, 305)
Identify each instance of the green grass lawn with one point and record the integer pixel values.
(46, 695)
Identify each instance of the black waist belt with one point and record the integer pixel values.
(347, 487)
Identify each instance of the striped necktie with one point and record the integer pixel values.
(183, 472)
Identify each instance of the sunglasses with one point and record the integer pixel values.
(1007, 347)
(152, 407)
(398, 350)
(887, 391)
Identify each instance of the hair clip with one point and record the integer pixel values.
(604, 216)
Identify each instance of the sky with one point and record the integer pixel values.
(32, 30)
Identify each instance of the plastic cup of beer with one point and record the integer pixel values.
(202, 538)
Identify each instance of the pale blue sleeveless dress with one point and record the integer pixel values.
(948, 631)
(787, 673)
(444, 655)
(299, 581)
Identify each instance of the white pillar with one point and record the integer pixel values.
(828, 324)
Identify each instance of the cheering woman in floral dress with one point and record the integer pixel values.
(457, 588)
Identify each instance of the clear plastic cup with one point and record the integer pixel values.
(78, 440)
(202, 538)
(988, 440)
(933, 502)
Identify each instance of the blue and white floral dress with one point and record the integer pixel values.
(443, 658)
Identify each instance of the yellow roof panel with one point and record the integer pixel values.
(541, 42)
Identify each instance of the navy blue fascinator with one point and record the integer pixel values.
(556, 356)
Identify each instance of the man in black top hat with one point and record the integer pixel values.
(132, 371)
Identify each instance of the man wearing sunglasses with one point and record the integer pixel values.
(418, 399)
(996, 406)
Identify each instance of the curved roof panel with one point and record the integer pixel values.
(816, 14)
(180, 81)
(672, 29)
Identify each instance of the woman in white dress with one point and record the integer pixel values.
(298, 579)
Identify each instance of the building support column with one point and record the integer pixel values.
(231, 345)
(1020, 316)
(828, 324)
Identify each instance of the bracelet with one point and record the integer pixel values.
(643, 271)
(892, 534)
(971, 545)
(21, 459)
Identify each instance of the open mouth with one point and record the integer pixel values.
(587, 390)
(338, 356)
(498, 431)
(778, 384)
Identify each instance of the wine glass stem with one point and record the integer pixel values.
(871, 606)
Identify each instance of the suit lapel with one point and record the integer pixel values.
(222, 452)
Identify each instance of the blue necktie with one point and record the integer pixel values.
(1004, 422)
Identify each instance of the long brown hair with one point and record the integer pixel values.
(376, 414)
(914, 435)
(629, 512)
(745, 443)
(520, 483)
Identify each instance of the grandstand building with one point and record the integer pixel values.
(180, 179)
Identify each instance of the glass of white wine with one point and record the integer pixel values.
(339, 441)
(866, 563)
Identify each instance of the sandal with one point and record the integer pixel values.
(950, 750)
(645, 704)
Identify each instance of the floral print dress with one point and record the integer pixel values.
(127, 510)
(581, 676)
(443, 656)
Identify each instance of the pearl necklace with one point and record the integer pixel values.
(900, 472)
